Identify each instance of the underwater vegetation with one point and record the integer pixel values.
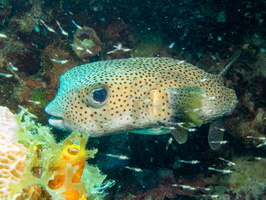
(41, 40)
(34, 166)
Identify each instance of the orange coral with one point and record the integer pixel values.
(58, 168)
(72, 154)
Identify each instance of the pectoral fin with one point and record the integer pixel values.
(188, 101)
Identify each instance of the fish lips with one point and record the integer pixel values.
(57, 122)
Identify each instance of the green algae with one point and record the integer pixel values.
(149, 46)
(44, 154)
(39, 95)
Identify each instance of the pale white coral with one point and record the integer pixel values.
(12, 154)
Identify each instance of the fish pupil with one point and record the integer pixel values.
(99, 95)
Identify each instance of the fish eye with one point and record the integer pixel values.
(98, 97)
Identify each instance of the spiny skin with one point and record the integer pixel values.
(142, 95)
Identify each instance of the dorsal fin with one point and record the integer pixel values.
(233, 59)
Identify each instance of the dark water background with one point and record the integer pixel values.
(204, 33)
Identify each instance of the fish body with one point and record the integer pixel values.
(142, 95)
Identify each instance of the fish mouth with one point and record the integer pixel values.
(57, 122)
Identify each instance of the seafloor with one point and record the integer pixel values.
(38, 41)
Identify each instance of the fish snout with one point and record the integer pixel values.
(56, 118)
(53, 110)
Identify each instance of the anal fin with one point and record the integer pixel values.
(216, 134)
(180, 134)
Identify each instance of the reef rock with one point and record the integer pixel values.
(86, 43)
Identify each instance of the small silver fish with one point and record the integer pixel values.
(6, 75)
(187, 187)
(219, 142)
(118, 48)
(3, 35)
(211, 196)
(34, 102)
(48, 27)
(260, 158)
(171, 45)
(121, 157)
(77, 47)
(59, 61)
(169, 142)
(106, 97)
(257, 138)
(134, 169)
(224, 171)
(77, 26)
(12, 67)
(193, 162)
(229, 163)
(261, 145)
(61, 29)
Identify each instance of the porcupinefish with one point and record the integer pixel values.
(142, 95)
